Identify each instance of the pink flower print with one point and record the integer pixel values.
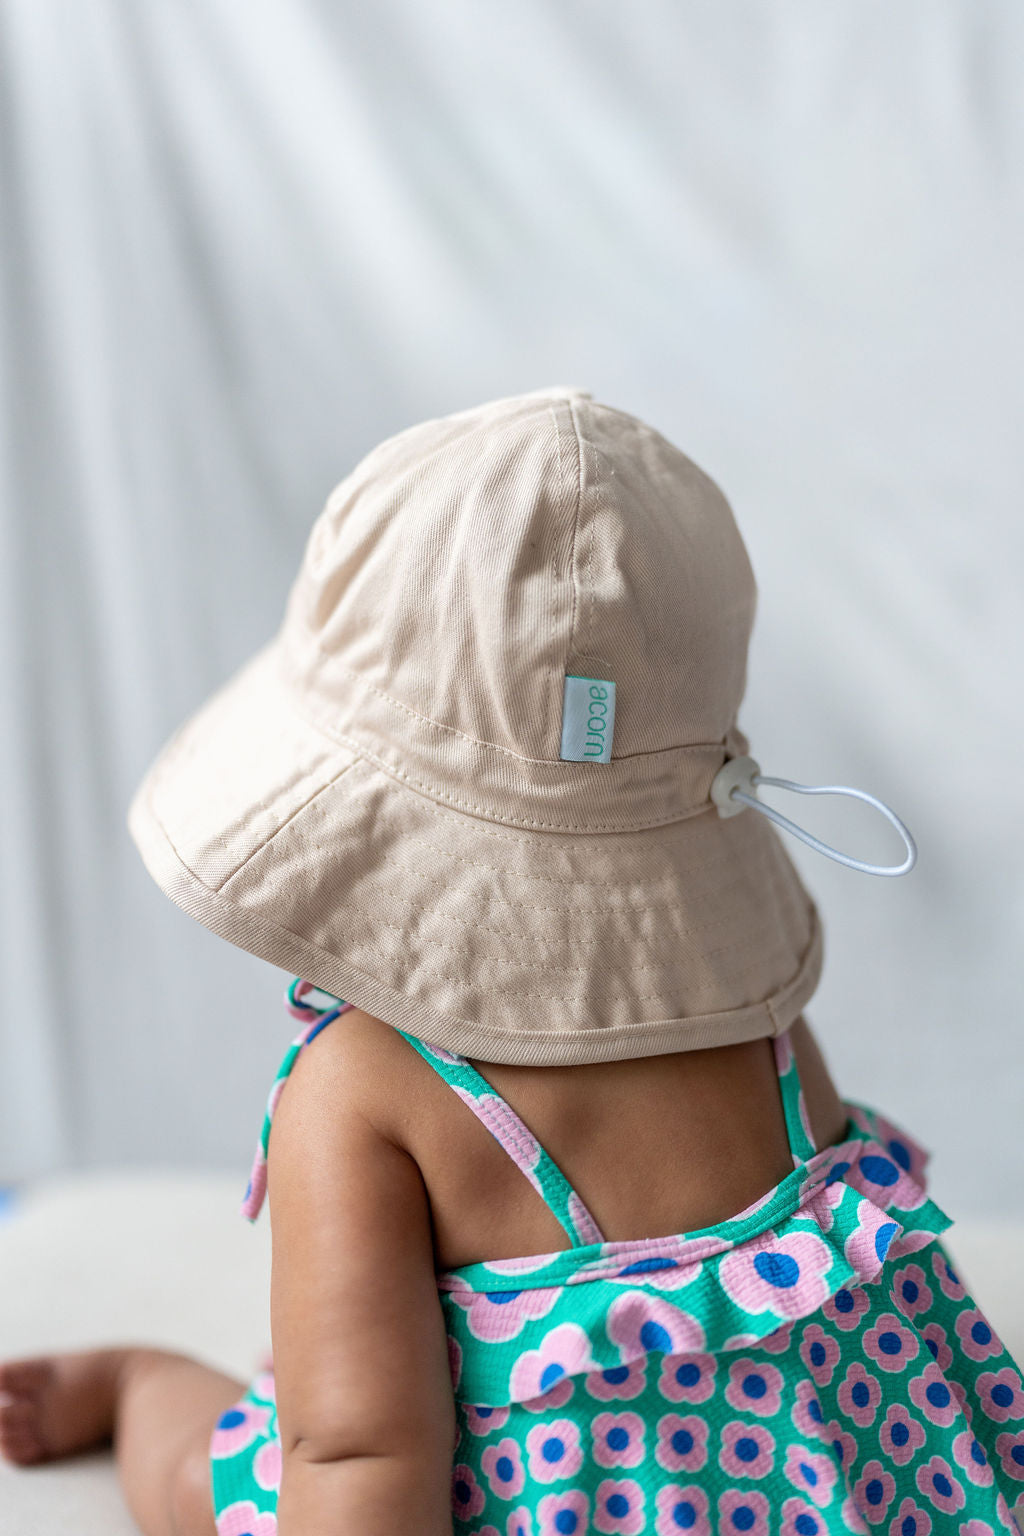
(783, 1275)
(843, 1444)
(811, 1473)
(618, 1381)
(846, 1307)
(468, 1497)
(454, 1360)
(496, 1316)
(1001, 1395)
(546, 1372)
(911, 1520)
(520, 1522)
(778, 1341)
(935, 1480)
(911, 1292)
(1011, 1520)
(932, 1394)
(867, 1246)
(619, 1507)
(687, 1378)
(1010, 1448)
(483, 1420)
(754, 1388)
(503, 1468)
(639, 1323)
(747, 1450)
(860, 1395)
(902, 1148)
(559, 1513)
(238, 1427)
(969, 1454)
(820, 1353)
(618, 1439)
(783, 1047)
(523, 1265)
(582, 1220)
(874, 1491)
(664, 1271)
(682, 1508)
(901, 1435)
(807, 1414)
(948, 1279)
(243, 1519)
(682, 1442)
(805, 1121)
(934, 1336)
(884, 1182)
(266, 1466)
(853, 1520)
(487, 1530)
(890, 1343)
(823, 1195)
(264, 1387)
(739, 1510)
(801, 1519)
(978, 1528)
(978, 1339)
(554, 1450)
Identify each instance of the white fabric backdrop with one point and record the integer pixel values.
(242, 242)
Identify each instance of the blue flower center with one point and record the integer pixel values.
(778, 1269)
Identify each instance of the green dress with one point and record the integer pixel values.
(812, 1365)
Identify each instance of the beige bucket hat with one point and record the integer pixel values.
(467, 785)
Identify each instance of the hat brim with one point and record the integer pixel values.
(501, 943)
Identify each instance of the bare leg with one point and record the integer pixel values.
(157, 1408)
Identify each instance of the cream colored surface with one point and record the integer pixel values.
(163, 1257)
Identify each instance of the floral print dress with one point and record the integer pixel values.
(813, 1365)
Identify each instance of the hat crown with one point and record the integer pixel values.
(466, 565)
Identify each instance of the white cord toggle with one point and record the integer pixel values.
(736, 779)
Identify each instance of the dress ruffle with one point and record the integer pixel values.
(828, 1227)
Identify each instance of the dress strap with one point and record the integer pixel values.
(314, 1020)
(517, 1139)
(798, 1126)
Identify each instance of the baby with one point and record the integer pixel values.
(485, 797)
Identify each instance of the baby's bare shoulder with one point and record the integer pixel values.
(365, 1063)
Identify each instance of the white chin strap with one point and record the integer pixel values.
(735, 781)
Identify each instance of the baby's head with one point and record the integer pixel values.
(467, 786)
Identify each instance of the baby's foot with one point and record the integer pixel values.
(55, 1405)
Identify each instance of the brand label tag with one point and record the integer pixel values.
(588, 719)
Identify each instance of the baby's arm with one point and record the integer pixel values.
(364, 1393)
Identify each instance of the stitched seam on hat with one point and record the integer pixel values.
(487, 746)
(498, 869)
(531, 966)
(638, 841)
(434, 792)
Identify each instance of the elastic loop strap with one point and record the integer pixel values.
(744, 773)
